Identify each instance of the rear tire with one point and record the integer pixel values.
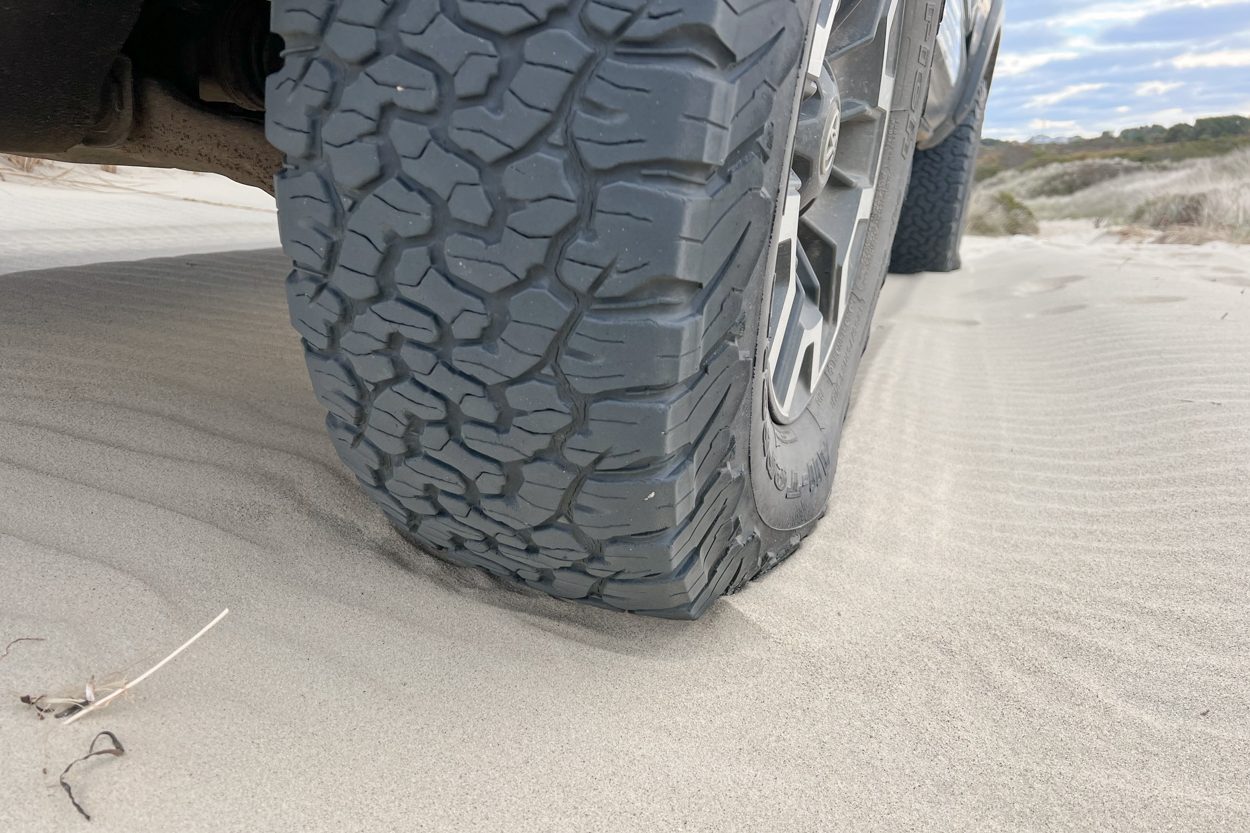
(530, 244)
(935, 212)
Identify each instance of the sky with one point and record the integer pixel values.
(1079, 67)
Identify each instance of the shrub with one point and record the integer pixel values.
(1000, 214)
(1172, 210)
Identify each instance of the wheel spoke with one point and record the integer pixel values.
(837, 148)
(797, 357)
(820, 41)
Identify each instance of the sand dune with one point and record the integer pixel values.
(1026, 609)
(68, 215)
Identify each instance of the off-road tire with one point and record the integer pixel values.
(530, 241)
(935, 211)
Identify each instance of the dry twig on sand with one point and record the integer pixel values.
(117, 750)
(20, 639)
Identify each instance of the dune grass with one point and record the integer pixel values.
(1000, 214)
(1192, 200)
(20, 164)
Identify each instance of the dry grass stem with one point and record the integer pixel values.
(106, 699)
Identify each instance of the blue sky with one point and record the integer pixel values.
(1079, 67)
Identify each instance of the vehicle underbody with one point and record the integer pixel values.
(181, 83)
(162, 83)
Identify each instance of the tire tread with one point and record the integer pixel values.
(931, 225)
(490, 206)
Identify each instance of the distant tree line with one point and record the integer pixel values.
(1211, 128)
(1215, 127)
(1152, 143)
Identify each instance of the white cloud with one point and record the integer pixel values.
(1061, 126)
(1010, 64)
(1157, 87)
(1127, 12)
(1222, 58)
(1107, 13)
(1070, 91)
(1170, 116)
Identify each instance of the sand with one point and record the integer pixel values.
(1026, 609)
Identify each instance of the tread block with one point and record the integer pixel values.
(294, 95)
(656, 113)
(509, 16)
(336, 386)
(622, 433)
(600, 351)
(397, 410)
(358, 454)
(316, 311)
(623, 254)
(535, 320)
(721, 33)
(300, 20)
(393, 81)
(306, 227)
(352, 41)
(472, 62)
(462, 312)
(456, 181)
(552, 58)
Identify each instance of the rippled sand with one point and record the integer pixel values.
(1026, 609)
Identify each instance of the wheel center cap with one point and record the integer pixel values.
(830, 148)
(816, 137)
